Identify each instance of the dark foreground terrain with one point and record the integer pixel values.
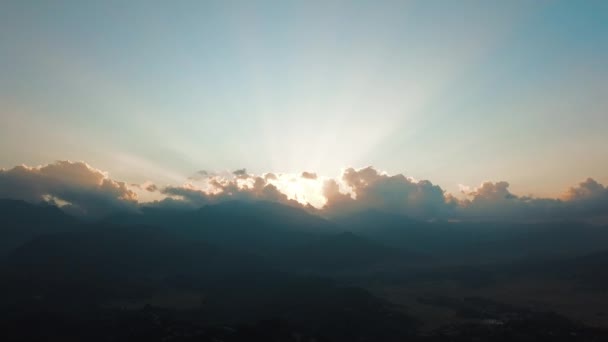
(264, 272)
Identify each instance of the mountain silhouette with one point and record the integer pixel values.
(346, 252)
(22, 221)
(252, 226)
(114, 261)
(478, 242)
(237, 263)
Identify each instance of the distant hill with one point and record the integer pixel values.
(589, 270)
(252, 226)
(478, 242)
(291, 237)
(85, 271)
(276, 231)
(114, 261)
(22, 221)
(346, 252)
(238, 262)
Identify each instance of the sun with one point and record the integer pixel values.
(304, 190)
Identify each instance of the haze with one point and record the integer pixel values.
(303, 171)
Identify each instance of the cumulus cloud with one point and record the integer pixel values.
(587, 190)
(308, 175)
(335, 198)
(494, 201)
(397, 194)
(86, 190)
(82, 189)
(369, 189)
(489, 191)
(255, 189)
(270, 176)
(588, 198)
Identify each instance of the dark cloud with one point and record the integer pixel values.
(186, 196)
(201, 174)
(87, 191)
(152, 188)
(241, 173)
(308, 175)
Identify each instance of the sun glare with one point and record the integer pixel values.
(303, 190)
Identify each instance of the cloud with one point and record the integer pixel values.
(489, 191)
(493, 201)
(270, 176)
(308, 175)
(201, 174)
(367, 188)
(187, 196)
(397, 194)
(86, 190)
(336, 199)
(587, 190)
(255, 189)
(589, 198)
(151, 188)
(240, 173)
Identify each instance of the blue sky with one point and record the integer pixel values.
(457, 92)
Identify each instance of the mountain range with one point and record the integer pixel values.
(245, 261)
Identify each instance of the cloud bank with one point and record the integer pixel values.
(82, 189)
(242, 188)
(397, 194)
(587, 200)
(79, 187)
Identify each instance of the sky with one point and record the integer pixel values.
(456, 92)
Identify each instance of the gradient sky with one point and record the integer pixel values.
(457, 92)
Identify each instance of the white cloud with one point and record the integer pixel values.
(86, 189)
